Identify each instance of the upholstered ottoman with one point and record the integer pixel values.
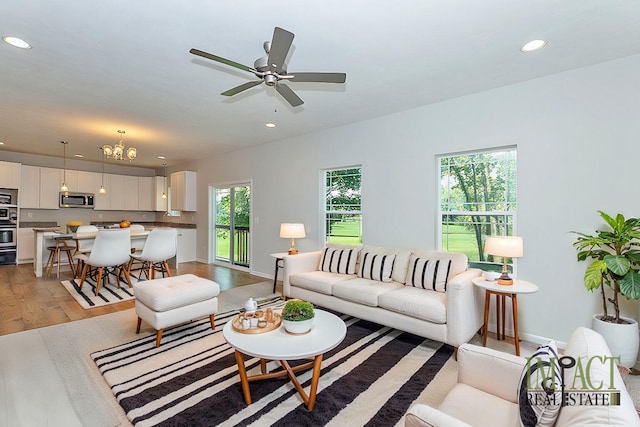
(173, 300)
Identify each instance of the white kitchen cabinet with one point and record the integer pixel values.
(146, 193)
(186, 245)
(88, 182)
(10, 175)
(116, 191)
(131, 193)
(29, 193)
(183, 191)
(71, 178)
(50, 182)
(160, 186)
(25, 245)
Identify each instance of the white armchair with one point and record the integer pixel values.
(485, 395)
(488, 382)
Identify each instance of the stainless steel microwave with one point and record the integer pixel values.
(76, 200)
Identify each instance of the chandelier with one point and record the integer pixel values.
(117, 152)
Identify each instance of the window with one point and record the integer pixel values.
(342, 214)
(477, 199)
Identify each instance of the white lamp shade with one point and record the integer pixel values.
(504, 246)
(292, 231)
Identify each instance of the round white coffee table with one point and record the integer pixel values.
(327, 332)
(501, 292)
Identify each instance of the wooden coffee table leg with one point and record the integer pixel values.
(317, 363)
(243, 377)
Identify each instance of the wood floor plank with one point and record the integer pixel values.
(28, 302)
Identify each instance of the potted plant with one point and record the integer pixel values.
(297, 316)
(616, 260)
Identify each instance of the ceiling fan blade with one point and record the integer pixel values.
(241, 88)
(280, 45)
(221, 59)
(289, 95)
(319, 77)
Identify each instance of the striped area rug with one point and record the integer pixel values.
(372, 378)
(109, 292)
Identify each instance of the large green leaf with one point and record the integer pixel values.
(593, 275)
(617, 264)
(630, 285)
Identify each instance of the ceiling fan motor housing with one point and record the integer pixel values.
(270, 79)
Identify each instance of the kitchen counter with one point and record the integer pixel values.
(149, 224)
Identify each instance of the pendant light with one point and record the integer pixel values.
(164, 193)
(64, 187)
(102, 190)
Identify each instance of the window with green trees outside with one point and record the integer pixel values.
(477, 199)
(342, 213)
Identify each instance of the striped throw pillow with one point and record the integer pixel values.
(428, 273)
(339, 260)
(376, 266)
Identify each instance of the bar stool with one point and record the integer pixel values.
(54, 255)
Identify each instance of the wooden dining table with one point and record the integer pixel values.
(44, 239)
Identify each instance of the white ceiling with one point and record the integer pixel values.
(96, 67)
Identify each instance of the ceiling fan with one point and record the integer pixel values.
(272, 69)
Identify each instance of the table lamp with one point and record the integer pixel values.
(292, 231)
(506, 247)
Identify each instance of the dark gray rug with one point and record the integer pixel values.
(371, 378)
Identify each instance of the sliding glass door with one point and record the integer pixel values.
(232, 224)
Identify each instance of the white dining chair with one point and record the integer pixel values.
(85, 235)
(161, 245)
(111, 249)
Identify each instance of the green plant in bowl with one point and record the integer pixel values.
(297, 310)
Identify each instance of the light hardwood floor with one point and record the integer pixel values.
(28, 302)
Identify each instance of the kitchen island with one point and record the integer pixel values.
(46, 237)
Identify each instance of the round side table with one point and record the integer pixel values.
(502, 292)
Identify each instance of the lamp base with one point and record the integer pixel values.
(293, 251)
(505, 280)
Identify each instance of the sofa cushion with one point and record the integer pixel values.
(416, 302)
(459, 261)
(478, 408)
(339, 260)
(540, 392)
(430, 274)
(399, 272)
(375, 266)
(318, 281)
(589, 346)
(363, 291)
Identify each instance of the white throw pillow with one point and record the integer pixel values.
(429, 274)
(339, 260)
(376, 266)
(540, 391)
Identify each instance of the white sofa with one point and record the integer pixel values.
(488, 383)
(452, 314)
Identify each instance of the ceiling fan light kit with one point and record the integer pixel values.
(272, 70)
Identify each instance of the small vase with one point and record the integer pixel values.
(297, 327)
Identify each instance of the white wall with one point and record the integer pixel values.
(578, 140)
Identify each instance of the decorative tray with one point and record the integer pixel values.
(256, 323)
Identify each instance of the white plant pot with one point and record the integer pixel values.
(621, 339)
(297, 327)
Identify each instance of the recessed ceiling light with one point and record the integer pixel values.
(80, 156)
(533, 45)
(15, 41)
(161, 157)
(1, 143)
(270, 125)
